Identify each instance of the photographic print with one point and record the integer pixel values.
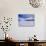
(26, 20)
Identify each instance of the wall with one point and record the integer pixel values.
(11, 8)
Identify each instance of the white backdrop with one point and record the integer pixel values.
(12, 8)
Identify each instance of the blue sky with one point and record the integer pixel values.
(26, 16)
